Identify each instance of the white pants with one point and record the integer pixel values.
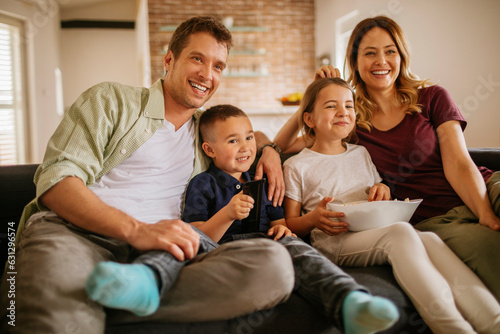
(447, 294)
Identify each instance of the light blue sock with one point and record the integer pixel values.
(131, 287)
(365, 314)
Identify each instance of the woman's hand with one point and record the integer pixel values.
(327, 71)
(321, 218)
(463, 175)
(491, 221)
(280, 231)
(379, 192)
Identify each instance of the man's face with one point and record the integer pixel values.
(195, 75)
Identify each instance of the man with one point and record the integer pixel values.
(111, 185)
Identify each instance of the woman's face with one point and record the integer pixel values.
(379, 61)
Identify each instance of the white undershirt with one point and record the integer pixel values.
(149, 185)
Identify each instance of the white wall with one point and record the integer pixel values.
(454, 43)
(42, 43)
(85, 56)
(90, 56)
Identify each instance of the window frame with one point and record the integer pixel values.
(22, 137)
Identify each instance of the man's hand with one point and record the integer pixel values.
(270, 164)
(171, 235)
(379, 192)
(327, 71)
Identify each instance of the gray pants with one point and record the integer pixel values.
(476, 245)
(317, 279)
(54, 259)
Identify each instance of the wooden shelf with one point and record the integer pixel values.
(247, 52)
(237, 52)
(245, 75)
(234, 29)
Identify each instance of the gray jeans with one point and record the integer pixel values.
(54, 259)
(317, 279)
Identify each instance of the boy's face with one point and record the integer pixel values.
(232, 145)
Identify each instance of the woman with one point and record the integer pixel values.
(414, 136)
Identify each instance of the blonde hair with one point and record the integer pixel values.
(309, 100)
(407, 83)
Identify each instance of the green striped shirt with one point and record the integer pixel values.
(104, 126)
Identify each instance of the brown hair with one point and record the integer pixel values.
(216, 113)
(309, 100)
(196, 24)
(407, 84)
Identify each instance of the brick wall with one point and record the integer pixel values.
(286, 46)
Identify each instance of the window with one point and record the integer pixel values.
(343, 29)
(13, 123)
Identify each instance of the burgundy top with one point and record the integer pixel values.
(408, 156)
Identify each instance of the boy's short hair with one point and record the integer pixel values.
(216, 113)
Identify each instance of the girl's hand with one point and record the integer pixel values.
(239, 207)
(280, 231)
(327, 71)
(379, 192)
(321, 218)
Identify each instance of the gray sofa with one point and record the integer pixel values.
(294, 316)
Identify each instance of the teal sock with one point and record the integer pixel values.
(131, 287)
(365, 314)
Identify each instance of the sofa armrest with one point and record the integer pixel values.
(16, 191)
(487, 157)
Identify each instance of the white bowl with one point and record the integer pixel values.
(364, 215)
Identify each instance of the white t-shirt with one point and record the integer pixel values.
(348, 177)
(149, 185)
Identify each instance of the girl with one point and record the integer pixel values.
(447, 294)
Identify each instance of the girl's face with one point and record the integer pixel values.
(379, 61)
(333, 116)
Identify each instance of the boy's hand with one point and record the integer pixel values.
(379, 192)
(321, 218)
(280, 231)
(239, 207)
